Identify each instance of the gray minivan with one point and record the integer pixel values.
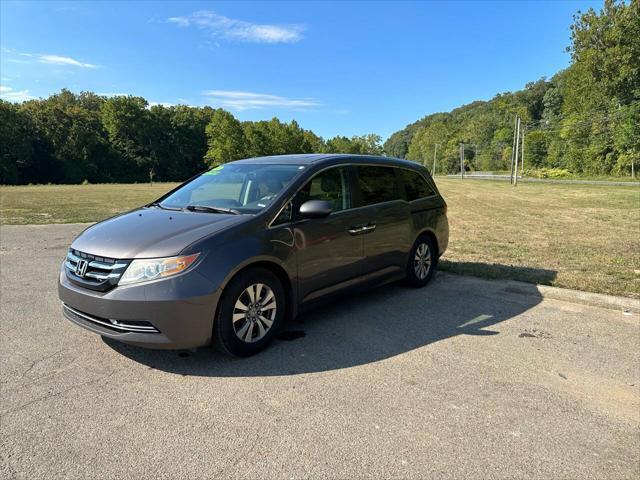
(228, 256)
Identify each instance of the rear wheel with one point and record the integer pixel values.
(422, 261)
(251, 309)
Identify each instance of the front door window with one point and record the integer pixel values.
(332, 186)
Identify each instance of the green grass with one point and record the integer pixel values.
(42, 204)
(585, 237)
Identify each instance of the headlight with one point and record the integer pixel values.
(147, 269)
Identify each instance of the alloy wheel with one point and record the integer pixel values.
(422, 261)
(254, 312)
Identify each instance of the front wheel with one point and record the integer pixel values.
(422, 261)
(251, 309)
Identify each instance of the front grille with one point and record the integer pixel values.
(101, 273)
(120, 326)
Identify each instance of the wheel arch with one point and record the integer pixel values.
(433, 237)
(275, 268)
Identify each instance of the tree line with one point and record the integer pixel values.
(73, 138)
(585, 119)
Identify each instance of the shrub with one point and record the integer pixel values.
(548, 173)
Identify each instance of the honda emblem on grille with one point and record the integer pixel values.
(81, 267)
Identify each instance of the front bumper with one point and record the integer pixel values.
(181, 310)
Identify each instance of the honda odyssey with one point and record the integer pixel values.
(228, 256)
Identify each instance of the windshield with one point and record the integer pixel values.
(245, 188)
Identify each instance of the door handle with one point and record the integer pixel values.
(362, 230)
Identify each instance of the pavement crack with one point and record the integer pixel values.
(38, 361)
(56, 394)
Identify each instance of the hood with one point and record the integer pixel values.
(151, 233)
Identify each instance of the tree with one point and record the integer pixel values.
(423, 143)
(189, 141)
(16, 149)
(312, 143)
(281, 137)
(536, 149)
(257, 139)
(127, 122)
(225, 138)
(369, 144)
(68, 141)
(607, 47)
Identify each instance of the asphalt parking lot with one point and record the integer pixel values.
(466, 378)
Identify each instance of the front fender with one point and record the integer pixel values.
(227, 256)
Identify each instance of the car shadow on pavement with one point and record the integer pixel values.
(361, 329)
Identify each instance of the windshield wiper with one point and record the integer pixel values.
(207, 208)
(159, 205)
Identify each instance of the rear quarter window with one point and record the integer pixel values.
(415, 186)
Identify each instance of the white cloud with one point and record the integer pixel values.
(11, 95)
(110, 94)
(44, 58)
(163, 104)
(16, 60)
(60, 60)
(248, 100)
(233, 29)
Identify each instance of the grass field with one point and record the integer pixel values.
(41, 204)
(585, 237)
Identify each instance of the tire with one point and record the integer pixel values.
(256, 322)
(422, 261)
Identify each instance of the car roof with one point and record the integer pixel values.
(329, 158)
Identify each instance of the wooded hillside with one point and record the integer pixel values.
(585, 119)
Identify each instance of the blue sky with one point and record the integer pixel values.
(337, 68)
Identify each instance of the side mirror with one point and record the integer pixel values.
(315, 209)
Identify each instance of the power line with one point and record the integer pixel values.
(606, 116)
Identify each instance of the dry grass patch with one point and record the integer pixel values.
(585, 237)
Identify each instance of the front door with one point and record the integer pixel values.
(329, 250)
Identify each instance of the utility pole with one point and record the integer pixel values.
(462, 160)
(435, 151)
(515, 170)
(513, 146)
(524, 129)
(633, 172)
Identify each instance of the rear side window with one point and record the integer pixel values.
(415, 186)
(377, 184)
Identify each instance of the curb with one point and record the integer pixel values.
(558, 181)
(593, 299)
(611, 302)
